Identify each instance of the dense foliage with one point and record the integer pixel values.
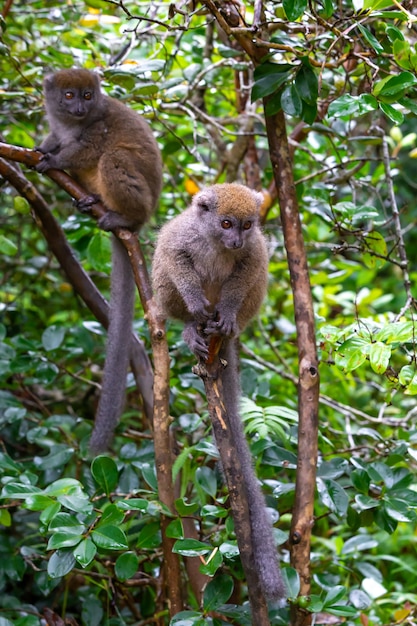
(81, 539)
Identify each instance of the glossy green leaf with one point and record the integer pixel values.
(379, 356)
(149, 536)
(207, 480)
(212, 563)
(109, 538)
(352, 353)
(185, 508)
(111, 515)
(126, 566)
(63, 540)
(217, 592)
(371, 39)
(359, 543)
(61, 563)
(268, 79)
(392, 113)
(291, 101)
(291, 580)
(306, 83)
(294, 8)
(333, 496)
(191, 547)
(105, 473)
(85, 552)
(53, 337)
(175, 529)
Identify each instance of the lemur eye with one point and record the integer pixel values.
(88, 95)
(69, 95)
(226, 224)
(247, 225)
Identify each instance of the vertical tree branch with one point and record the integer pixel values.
(308, 388)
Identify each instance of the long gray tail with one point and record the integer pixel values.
(263, 544)
(122, 298)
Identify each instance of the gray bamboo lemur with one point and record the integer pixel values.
(110, 150)
(210, 270)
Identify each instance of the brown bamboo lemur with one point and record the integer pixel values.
(111, 151)
(210, 270)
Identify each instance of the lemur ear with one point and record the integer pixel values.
(259, 198)
(205, 200)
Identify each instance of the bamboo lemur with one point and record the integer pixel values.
(110, 150)
(210, 270)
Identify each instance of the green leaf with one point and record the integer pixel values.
(63, 540)
(61, 563)
(306, 83)
(212, 563)
(191, 547)
(111, 515)
(401, 332)
(105, 473)
(291, 580)
(7, 246)
(379, 356)
(352, 353)
(19, 491)
(66, 522)
(294, 8)
(185, 508)
(334, 595)
(53, 337)
(371, 39)
(126, 566)
(109, 538)
(217, 592)
(85, 552)
(207, 480)
(393, 114)
(133, 504)
(291, 101)
(268, 78)
(5, 518)
(175, 529)
(149, 536)
(188, 618)
(333, 496)
(375, 244)
(359, 543)
(394, 86)
(99, 252)
(360, 480)
(347, 105)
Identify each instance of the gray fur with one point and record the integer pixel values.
(210, 270)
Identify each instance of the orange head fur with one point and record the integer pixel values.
(235, 199)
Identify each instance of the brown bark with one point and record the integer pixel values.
(308, 388)
(162, 439)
